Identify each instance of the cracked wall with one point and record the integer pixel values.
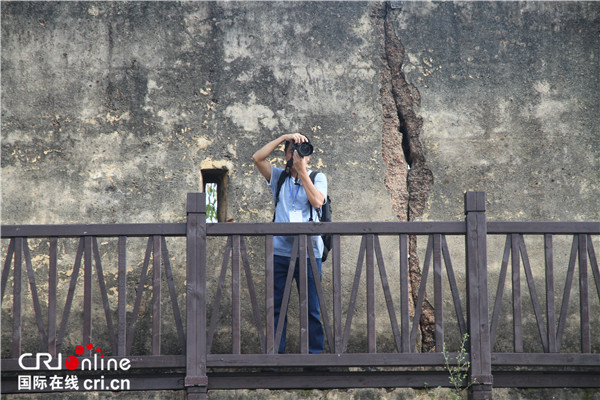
(407, 176)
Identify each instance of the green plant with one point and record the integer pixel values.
(459, 372)
(211, 202)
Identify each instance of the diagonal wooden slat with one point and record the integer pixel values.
(104, 295)
(388, 294)
(421, 295)
(562, 320)
(173, 293)
(593, 263)
(7, 264)
(34, 296)
(252, 293)
(517, 300)
(533, 294)
(460, 317)
(70, 294)
(214, 316)
(352, 304)
(138, 299)
(286, 294)
(584, 296)
(87, 293)
(321, 297)
(550, 303)
(500, 290)
(17, 298)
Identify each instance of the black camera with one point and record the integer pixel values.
(304, 149)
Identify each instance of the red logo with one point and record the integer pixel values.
(72, 362)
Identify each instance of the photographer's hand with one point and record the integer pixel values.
(315, 197)
(294, 137)
(300, 163)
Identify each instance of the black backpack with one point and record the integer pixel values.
(324, 212)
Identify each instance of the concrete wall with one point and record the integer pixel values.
(111, 110)
(509, 101)
(120, 105)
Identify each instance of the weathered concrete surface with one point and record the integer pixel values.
(509, 101)
(111, 110)
(120, 105)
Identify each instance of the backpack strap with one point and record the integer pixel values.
(280, 181)
(313, 174)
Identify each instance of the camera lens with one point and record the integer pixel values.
(305, 149)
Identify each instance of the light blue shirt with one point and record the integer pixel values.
(293, 197)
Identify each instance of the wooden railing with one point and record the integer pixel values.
(396, 362)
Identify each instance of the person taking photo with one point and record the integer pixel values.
(297, 201)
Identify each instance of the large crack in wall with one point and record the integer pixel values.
(407, 175)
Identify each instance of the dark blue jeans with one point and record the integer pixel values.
(316, 341)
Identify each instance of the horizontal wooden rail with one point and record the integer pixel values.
(328, 360)
(342, 228)
(261, 229)
(546, 359)
(242, 229)
(557, 228)
(98, 230)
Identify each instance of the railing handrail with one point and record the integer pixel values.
(99, 230)
(550, 228)
(237, 228)
(336, 228)
(313, 228)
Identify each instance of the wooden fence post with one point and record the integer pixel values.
(196, 381)
(477, 293)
